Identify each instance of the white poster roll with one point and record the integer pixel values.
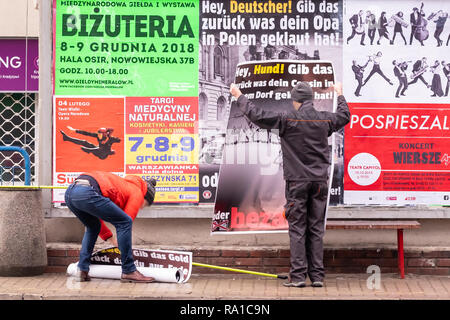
(115, 272)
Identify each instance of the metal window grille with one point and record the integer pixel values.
(17, 128)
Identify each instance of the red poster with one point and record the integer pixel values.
(88, 136)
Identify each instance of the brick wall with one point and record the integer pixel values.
(429, 262)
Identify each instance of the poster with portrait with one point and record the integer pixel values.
(251, 190)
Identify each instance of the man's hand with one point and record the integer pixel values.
(235, 91)
(338, 88)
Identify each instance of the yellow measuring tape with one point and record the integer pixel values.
(239, 270)
(33, 187)
(193, 263)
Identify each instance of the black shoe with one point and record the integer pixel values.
(317, 284)
(300, 284)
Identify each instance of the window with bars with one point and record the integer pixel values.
(17, 119)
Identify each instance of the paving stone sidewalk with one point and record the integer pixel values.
(57, 286)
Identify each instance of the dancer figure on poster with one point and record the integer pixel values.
(440, 18)
(382, 27)
(376, 69)
(436, 84)
(419, 68)
(104, 139)
(371, 21)
(304, 133)
(358, 70)
(398, 27)
(414, 19)
(400, 73)
(446, 70)
(358, 26)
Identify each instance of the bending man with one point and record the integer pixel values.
(97, 196)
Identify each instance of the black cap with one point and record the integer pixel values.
(302, 92)
(150, 195)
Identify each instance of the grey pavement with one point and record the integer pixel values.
(57, 286)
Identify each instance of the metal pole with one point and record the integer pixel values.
(44, 121)
(400, 253)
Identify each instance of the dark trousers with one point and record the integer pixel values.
(305, 208)
(403, 85)
(413, 31)
(376, 69)
(358, 88)
(417, 79)
(354, 33)
(89, 207)
(437, 33)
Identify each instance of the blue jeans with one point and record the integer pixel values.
(89, 207)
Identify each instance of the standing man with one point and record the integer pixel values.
(357, 22)
(414, 19)
(358, 70)
(440, 23)
(97, 196)
(446, 70)
(399, 72)
(304, 133)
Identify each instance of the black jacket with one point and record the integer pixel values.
(304, 136)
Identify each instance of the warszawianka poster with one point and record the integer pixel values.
(126, 93)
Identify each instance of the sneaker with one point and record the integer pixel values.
(317, 284)
(300, 284)
(136, 276)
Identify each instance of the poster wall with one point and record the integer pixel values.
(158, 73)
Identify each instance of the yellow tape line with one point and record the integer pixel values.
(234, 270)
(33, 187)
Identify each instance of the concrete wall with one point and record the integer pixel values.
(167, 232)
(19, 18)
